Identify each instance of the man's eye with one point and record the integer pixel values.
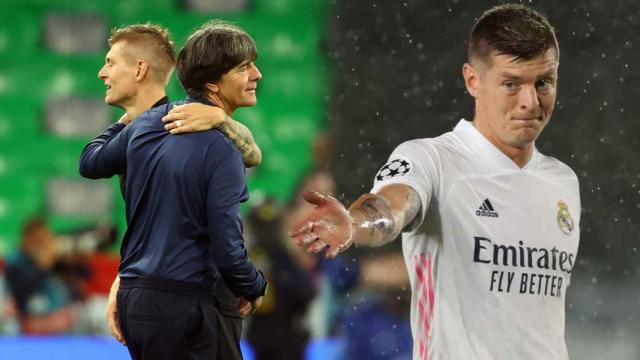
(543, 83)
(510, 85)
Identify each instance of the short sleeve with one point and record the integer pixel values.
(412, 163)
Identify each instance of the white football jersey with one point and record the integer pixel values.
(491, 259)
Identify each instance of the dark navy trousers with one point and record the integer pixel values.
(173, 320)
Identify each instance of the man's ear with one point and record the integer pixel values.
(213, 88)
(471, 79)
(142, 70)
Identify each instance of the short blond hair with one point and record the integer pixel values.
(511, 29)
(153, 43)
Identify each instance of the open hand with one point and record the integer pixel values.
(328, 225)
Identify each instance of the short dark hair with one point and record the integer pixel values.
(156, 40)
(511, 29)
(210, 52)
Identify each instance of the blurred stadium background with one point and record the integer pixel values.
(366, 74)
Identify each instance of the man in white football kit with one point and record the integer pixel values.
(489, 225)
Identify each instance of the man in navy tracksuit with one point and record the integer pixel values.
(182, 202)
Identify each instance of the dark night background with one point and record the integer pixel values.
(397, 76)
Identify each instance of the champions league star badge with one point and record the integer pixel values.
(396, 167)
(564, 218)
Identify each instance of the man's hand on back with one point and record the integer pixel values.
(193, 117)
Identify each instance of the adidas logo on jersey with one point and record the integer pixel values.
(486, 209)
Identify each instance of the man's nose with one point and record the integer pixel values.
(255, 73)
(102, 73)
(528, 98)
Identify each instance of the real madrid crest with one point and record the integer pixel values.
(564, 218)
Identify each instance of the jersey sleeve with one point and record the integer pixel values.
(412, 163)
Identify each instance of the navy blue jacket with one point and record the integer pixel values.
(182, 202)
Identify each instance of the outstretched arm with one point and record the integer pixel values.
(200, 117)
(380, 218)
(372, 220)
